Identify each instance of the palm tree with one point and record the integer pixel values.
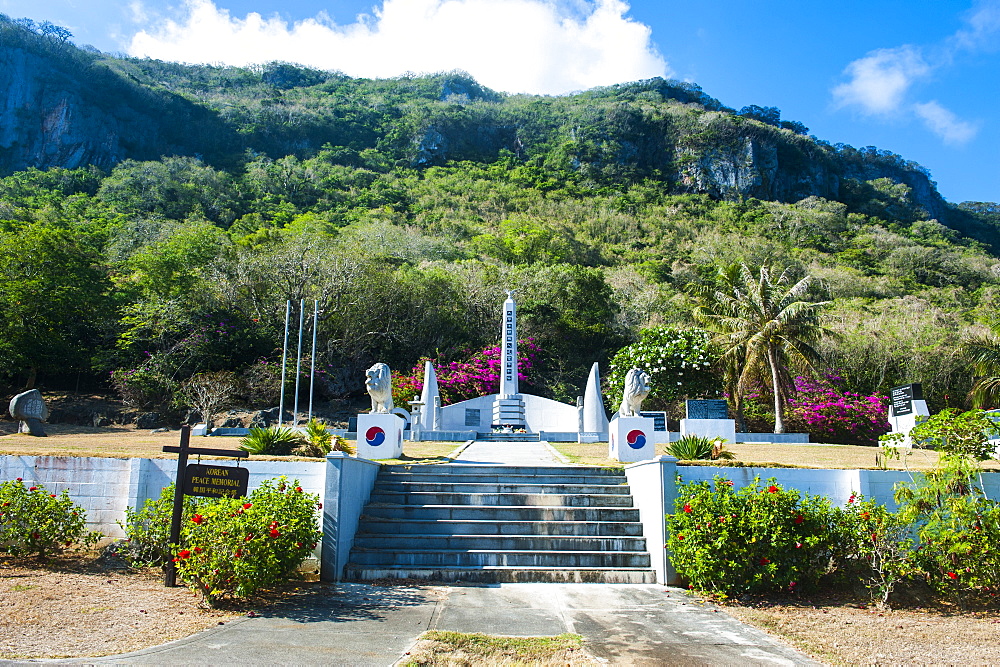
(983, 352)
(763, 324)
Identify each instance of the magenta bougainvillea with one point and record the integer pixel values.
(833, 415)
(479, 375)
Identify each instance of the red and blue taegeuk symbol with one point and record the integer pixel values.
(636, 439)
(374, 436)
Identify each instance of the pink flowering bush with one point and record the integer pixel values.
(479, 375)
(833, 415)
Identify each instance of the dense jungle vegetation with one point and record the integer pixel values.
(407, 206)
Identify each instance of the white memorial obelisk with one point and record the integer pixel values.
(508, 408)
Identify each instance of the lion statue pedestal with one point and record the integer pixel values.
(631, 439)
(380, 436)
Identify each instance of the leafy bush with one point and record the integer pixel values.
(34, 522)
(876, 546)
(679, 363)
(957, 529)
(147, 531)
(755, 540)
(231, 547)
(272, 440)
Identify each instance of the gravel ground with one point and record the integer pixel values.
(80, 607)
(848, 633)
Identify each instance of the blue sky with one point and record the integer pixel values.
(919, 79)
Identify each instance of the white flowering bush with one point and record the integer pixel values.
(679, 363)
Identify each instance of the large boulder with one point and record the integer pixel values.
(29, 408)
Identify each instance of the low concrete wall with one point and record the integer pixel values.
(349, 483)
(653, 488)
(104, 487)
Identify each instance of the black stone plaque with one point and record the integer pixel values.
(659, 419)
(709, 409)
(216, 481)
(473, 417)
(902, 398)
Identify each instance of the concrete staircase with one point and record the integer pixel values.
(495, 524)
(507, 437)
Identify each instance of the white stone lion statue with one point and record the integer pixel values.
(636, 390)
(378, 382)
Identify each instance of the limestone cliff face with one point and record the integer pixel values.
(45, 121)
(61, 107)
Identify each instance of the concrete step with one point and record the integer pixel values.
(487, 557)
(501, 499)
(513, 513)
(496, 478)
(501, 542)
(411, 527)
(507, 437)
(504, 575)
(499, 487)
(502, 471)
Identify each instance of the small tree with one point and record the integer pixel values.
(208, 393)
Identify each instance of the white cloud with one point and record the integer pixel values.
(879, 81)
(537, 46)
(983, 26)
(945, 124)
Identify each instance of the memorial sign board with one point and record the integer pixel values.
(902, 398)
(707, 409)
(216, 481)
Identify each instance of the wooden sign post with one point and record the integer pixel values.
(212, 481)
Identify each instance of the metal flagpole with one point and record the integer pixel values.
(298, 362)
(284, 359)
(312, 366)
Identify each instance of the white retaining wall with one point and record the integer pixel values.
(104, 487)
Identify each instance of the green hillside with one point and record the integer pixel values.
(154, 225)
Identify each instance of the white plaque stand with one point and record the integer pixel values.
(631, 439)
(710, 428)
(905, 423)
(380, 436)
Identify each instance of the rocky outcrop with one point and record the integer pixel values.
(64, 107)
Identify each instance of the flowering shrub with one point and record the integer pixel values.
(833, 415)
(229, 547)
(755, 540)
(679, 363)
(461, 380)
(34, 522)
(876, 546)
(147, 531)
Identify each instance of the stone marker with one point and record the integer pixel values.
(29, 407)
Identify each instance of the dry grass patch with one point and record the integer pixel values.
(460, 649)
(771, 455)
(129, 442)
(84, 607)
(843, 633)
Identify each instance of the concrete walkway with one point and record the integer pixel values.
(361, 624)
(509, 454)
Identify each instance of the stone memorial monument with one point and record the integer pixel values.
(630, 436)
(29, 408)
(380, 432)
(908, 408)
(709, 419)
